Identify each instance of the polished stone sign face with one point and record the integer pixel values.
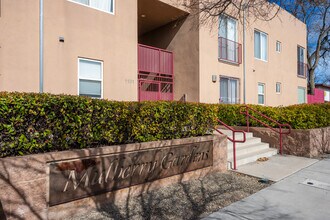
(83, 177)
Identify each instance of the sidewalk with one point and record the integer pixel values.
(276, 167)
(303, 195)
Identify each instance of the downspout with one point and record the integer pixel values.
(41, 46)
(244, 56)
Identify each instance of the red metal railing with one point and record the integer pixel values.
(155, 60)
(245, 110)
(233, 139)
(155, 74)
(230, 50)
(301, 69)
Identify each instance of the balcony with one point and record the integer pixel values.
(230, 51)
(155, 74)
(301, 69)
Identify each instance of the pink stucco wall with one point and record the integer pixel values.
(318, 96)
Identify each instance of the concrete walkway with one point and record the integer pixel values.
(276, 167)
(303, 195)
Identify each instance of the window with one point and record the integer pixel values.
(229, 90)
(261, 93)
(278, 87)
(229, 49)
(260, 45)
(103, 5)
(301, 95)
(278, 46)
(301, 61)
(90, 78)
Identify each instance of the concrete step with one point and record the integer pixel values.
(249, 141)
(252, 157)
(247, 149)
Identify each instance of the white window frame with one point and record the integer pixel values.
(222, 18)
(303, 49)
(280, 88)
(88, 6)
(301, 61)
(261, 49)
(278, 46)
(263, 94)
(97, 80)
(237, 100)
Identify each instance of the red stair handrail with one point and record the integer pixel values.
(280, 126)
(232, 139)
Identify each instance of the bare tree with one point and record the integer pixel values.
(315, 14)
(209, 10)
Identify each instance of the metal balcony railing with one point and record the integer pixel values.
(155, 60)
(230, 51)
(155, 74)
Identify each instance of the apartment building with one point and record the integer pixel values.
(149, 50)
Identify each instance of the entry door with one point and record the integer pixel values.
(228, 90)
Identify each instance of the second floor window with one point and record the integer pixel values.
(278, 87)
(278, 46)
(103, 5)
(301, 61)
(260, 45)
(229, 49)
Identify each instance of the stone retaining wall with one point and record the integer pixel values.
(301, 142)
(25, 181)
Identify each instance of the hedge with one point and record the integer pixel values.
(36, 123)
(303, 116)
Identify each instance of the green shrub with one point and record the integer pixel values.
(36, 123)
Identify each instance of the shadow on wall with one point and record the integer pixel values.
(24, 184)
(162, 36)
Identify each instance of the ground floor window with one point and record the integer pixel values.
(90, 77)
(301, 95)
(229, 90)
(261, 93)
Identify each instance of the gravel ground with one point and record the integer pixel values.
(189, 200)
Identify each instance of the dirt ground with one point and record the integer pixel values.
(189, 200)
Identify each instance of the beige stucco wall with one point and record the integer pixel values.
(19, 45)
(182, 38)
(280, 67)
(88, 33)
(24, 181)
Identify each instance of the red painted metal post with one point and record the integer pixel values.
(281, 145)
(247, 120)
(234, 150)
(280, 131)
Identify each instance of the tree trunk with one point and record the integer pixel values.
(311, 81)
